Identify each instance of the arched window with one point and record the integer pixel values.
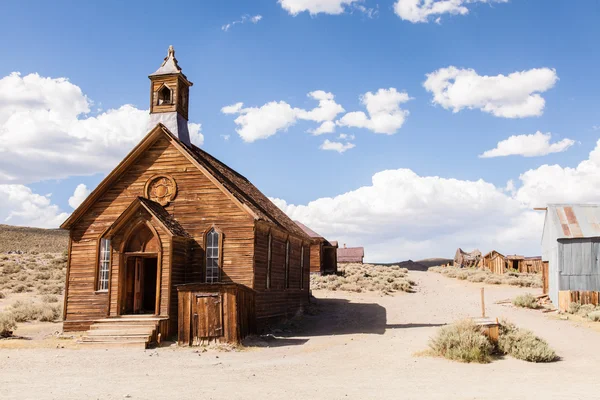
(269, 258)
(302, 267)
(213, 249)
(287, 264)
(164, 96)
(103, 264)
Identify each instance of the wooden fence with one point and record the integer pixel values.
(566, 297)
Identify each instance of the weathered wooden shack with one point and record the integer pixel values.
(347, 255)
(494, 262)
(522, 264)
(170, 217)
(463, 259)
(571, 249)
(323, 253)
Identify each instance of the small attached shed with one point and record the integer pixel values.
(323, 253)
(347, 255)
(571, 250)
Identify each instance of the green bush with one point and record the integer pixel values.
(526, 300)
(523, 344)
(462, 341)
(7, 325)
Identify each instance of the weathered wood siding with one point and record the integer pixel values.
(199, 204)
(316, 257)
(278, 300)
(495, 264)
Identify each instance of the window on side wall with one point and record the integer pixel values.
(213, 253)
(103, 265)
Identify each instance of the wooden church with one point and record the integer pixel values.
(174, 243)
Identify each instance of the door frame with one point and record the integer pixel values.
(123, 279)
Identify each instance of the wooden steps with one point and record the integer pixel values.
(126, 331)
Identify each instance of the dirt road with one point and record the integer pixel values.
(359, 346)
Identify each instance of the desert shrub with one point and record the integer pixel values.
(2, 295)
(492, 280)
(21, 289)
(462, 275)
(462, 341)
(7, 325)
(23, 311)
(478, 277)
(51, 289)
(594, 316)
(43, 276)
(526, 300)
(49, 313)
(365, 277)
(573, 308)
(585, 309)
(523, 344)
(11, 269)
(49, 298)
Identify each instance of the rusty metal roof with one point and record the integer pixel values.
(350, 254)
(575, 220)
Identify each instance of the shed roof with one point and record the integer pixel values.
(350, 254)
(574, 220)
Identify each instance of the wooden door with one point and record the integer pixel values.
(208, 316)
(138, 285)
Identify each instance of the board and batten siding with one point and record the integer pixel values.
(198, 206)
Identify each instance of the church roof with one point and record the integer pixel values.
(169, 65)
(240, 188)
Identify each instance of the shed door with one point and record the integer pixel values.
(208, 316)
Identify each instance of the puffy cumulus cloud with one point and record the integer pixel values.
(403, 215)
(537, 144)
(45, 132)
(556, 184)
(337, 146)
(385, 114)
(335, 7)
(255, 123)
(79, 195)
(255, 19)
(325, 127)
(424, 10)
(20, 206)
(516, 95)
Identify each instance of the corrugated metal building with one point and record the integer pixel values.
(571, 246)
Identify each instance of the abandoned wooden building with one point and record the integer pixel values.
(174, 242)
(571, 253)
(494, 262)
(323, 253)
(463, 259)
(347, 255)
(500, 264)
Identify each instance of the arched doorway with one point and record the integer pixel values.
(141, 280)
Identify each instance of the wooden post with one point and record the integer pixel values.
(482, 304)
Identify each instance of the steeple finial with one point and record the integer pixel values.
(171, 52)
(169, 65)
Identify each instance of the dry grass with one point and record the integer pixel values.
(465, 342)
(479, 275)
(365, 278)
(585, 310)
(38, 274)
(462, 341)
(526, 300)
(24, 311)
(7, 325)
(32, 240)
(523, 344)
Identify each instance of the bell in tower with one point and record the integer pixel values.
(169, 93)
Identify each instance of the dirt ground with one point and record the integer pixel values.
(359, 346)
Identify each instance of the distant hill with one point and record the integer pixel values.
(421, 265)
(18, 238)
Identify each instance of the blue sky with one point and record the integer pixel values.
(107, 49)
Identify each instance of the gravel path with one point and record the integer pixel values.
(359, 346)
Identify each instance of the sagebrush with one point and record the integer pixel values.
(485, 276)
(523, 344)
(526, 300)
(365, 278)
(462, 341)
(7, 325)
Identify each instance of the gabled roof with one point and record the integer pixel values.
(156, 210)
(573, 220)
(491, 253)
(308, 231)
(237, 187)
(350, 254)
(170, 66)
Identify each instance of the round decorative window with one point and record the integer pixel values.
(161, 189)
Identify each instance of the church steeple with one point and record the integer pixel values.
(169, 97)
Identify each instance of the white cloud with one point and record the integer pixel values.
(45, 132)
(512, 96)
(325, 127)
(335, 7)
(244, 18)
(421, 10)
(226, 137)
(20, 206)
(385, 114)
(336, 146)
(79, 195)
(255, 123)
(345, 136)
(537, 144)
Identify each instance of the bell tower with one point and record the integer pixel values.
(169, 98)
